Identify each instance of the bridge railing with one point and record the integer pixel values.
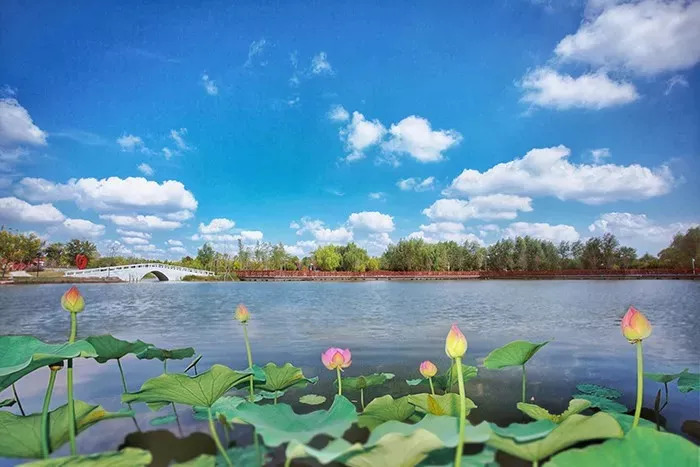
(81, 272)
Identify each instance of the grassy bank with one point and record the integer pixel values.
(227, 278)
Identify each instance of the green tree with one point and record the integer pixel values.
(683, 250)
(327, 258)
(17, 248)
(354, 258)
(54, 254)
(205, 255)
(79, 247)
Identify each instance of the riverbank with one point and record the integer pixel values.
(60, 280)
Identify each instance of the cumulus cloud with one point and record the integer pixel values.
(546, 87)
(548, 172)
(145, 169)
(376, 243)
(133, 233)
(638, 228)
(361, 134)
(301, 248)
(172, 242)
(178, 249)
(141, 222)
(599, 155)
(414, 136)
(135, 241)
(320, 64)
(445, 232)
(16, 210)
(416, 184)
(371, 220)
(497, 206)
(216, 226)
(82, 228)
(130, 143)
(377, 195)
(323, 234)
(17, 126)
(148, 248)
(338, 114)
(178, 137)
(554, 233)
(209, 85)
(167, 152)
(646, 37)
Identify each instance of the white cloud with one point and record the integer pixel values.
(294, 225)
(320, 64)
(416, 184)
(377, 195)
(178, 249)
(340, 235)
(209, 85)
(167, 153)
(376, 243)
(172, 242)
(251, 235)
(547, 172)
(371, 220)
(301, 248)
(16, 210)
(445, 232)
(638, 229)
(543, 231)
(496, 206)
(16, 125)
(647, 37)
(82, 228)
(133, 233)
(178, 138)
(598, 155)
(148, 248)
(338, 114)
(675, 81)
(414, 136)
(130, 143)
(360, 134)
(545, 87)
(216, 226)
(181, 215)
(111, 193)
(141, 222)
(255, 50)
(135, 241)
(145, 169)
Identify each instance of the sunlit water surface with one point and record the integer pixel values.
(389, 326)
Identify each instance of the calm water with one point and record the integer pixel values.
(389, 326)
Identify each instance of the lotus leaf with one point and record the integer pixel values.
(538, 413)
(383, 409)
(599, 391)
(573, 430)
(20, 355)
(203, 389)
(447, 380)
(239, 456)
(524, 432)
(224, 405)
(164, 420)
(312, 399)
(127, 457)
(625, 421)
(642, 446)
(271, 395)
(278, 424)
(21, 436)
(335, 450)
(445, 404)
(663, 377)
(281, 378)
(163, 354)
(7, 403)
(363, 382)
(111, 348)
(688, 381)
(444, 427)
(445, 458)
(602, 403)
(514, 353)
(396, 449)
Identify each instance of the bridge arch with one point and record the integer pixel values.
(160, 275)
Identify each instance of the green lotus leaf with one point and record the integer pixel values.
(21, 436)
(524, 432)
(336, 450)
(271, 395)
(278, 424)
(599, 391)
(444, 404)
(127, 457)
(688, 381)
(20, 355)
(626, 421)
(642, 446)
(450, 378)
(417, 381)
(203, 389)
(663, 377)
(602, 403)
(281, 378)
(364, 382)
(164, 354)
(575, 429)
(383, 409)
(240, 457)
(164, 420)
(514, 353)
(224, 405)
(312, 399)
(445, 458)
(538, 413)
(444, 427)
(396, 449)
(111, 348)
(7, 403)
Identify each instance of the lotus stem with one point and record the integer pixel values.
(128, 404)
(217, 441)
(362, 398)
(524, 382)
(432, 388)
(165, 365)
(69, 384)
(640, 385)
(45, 436)
(665, 401)
(195, 369)
(535, 464)
(275, 401)
(177, 419)
(250, 360)
(19, 404)
(340, 382)
(462, 413)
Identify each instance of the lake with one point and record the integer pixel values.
(389, 326)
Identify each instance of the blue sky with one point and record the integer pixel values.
(165, 125)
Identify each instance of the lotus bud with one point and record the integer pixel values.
(336, 358)
(242, 314)
(428, 369)
(456, 343)
(72, 301)
(635, 326)
(56, 366)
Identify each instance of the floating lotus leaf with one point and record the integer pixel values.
(642, 446)
(663, 377)
(247, 456)
(447, 380)
(688, 381)
(7, 403)
(396, 449)
(278, 424)
(444, 404)
(363, 382)
(111, 348)
(626, 421)
(312, 399)
(20, 355)
(599, 391)
(383, 409)
(336, 450)
(444, 427)
(524, 432)
(445, 458)
(164, 354)
(127, 457)
(602, 403)
(203, 389)
(575, 429)
(224, 405)
(271, 395)
(417, 381)
(282, 378)
(21, 436)
(514, 353)
(538, 413)
(164, 420)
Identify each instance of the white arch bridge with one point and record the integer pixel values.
(136, 272)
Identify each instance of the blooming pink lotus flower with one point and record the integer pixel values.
(635, 326)
(428, 369)
(336, 358)
(72, 301)
(455, 343)
(242, 314)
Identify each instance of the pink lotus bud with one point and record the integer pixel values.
(428, 369)
(336, 358)
(456, 343)
(635, 326)
(72, 301)
(242, 314)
